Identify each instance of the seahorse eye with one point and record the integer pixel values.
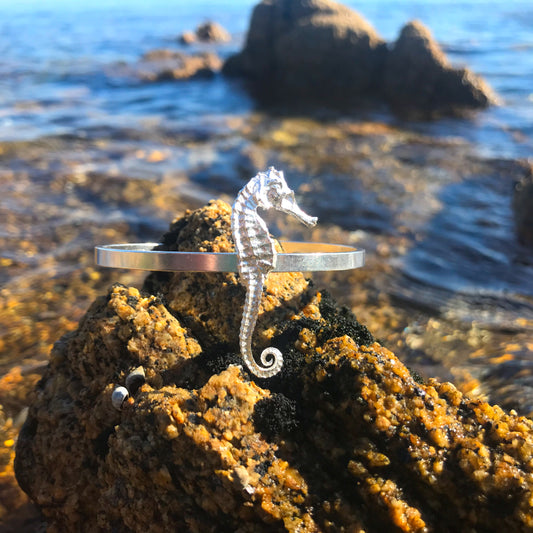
(274, 192)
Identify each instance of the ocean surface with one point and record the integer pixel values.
(61, 83)
(56, 58)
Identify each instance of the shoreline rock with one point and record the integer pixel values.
(523, 208)
(322, 53)
(345, 438)
(166, 64)
(314, 50)
(207, 32)
(418, 78)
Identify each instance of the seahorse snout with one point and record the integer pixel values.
(288, 205)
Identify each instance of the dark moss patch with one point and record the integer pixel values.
(132, 301)
(194, 373)
(275, 416)
(262, 467)
(219, 357)
(159, 299)
(289, 380)
(171, 237)
(101, 443)
(416, 376)
(154, 281)
(343, 322)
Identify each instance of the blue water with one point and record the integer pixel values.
(57, 60)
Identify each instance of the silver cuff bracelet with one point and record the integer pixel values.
(255, 257)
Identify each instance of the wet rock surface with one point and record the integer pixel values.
(523, 208)
(322, 52)
(167, 64)
(345, 438)
(419, 79)
(212, 32)
(207, 32)
(313, 50)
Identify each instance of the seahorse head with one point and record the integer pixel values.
(274, 193)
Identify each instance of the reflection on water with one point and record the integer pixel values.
(468, 248)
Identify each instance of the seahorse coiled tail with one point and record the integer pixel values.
(271, 358)
(257, 256)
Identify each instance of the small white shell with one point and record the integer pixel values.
(119, 396)
(135, 379)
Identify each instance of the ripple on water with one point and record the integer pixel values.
(467, 260)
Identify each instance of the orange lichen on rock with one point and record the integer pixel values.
(446, 444)
(220, 476)
(343, 439)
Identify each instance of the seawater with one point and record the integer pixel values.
(54, 55)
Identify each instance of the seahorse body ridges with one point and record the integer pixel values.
(257, 256)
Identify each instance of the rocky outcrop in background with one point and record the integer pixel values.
(322, 52)
(344, 439)
(418, 77)
(207, 32)
(317, 49)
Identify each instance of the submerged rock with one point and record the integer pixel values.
(166, 64)
(187, 37)
(419, 78)
(343, 439)
(322, 52)
(318, 50)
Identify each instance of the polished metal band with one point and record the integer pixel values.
(296, 257)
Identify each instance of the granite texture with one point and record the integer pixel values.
(345, 438)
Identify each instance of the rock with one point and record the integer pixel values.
(187, 37)
(207, 32)
(523, 208)
(165, 64)
(212, 32)
(419, 79)
(311, 50)
(323, 53)
(344, 439)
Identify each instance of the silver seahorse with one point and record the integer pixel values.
(257, 255)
